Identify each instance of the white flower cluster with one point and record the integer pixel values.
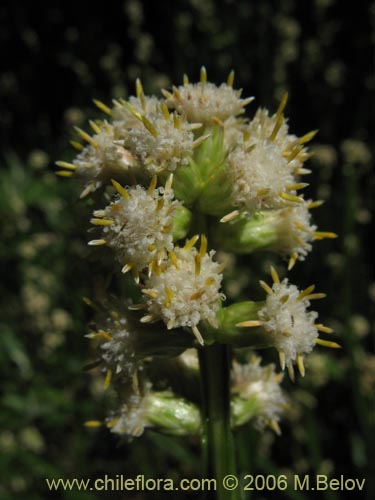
(187, 290)
(261, 384)
(290, 326)
(185, 164)
(137, 225)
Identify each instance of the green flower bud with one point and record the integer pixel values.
(172, 415)
(181, 223)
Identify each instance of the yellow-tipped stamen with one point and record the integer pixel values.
(249, 324)
(169, 297)
(176, 93)
(230, 79)
(197, 334)
(246, 135)
(88, 189)
(291, 372)
(65, 164)
(314, 204)
(301, 366)
(127, 267)
(152, 185)
(291, 197)
(99, 335)
(100, 213)
(137, 307)
(77, 145)
(108, 378)
(307, 137)
(315, 296)
(166, 94)
(200, 139)
(203, 75)
(160, 204)
(122, 191)
(185, 79)
(306, 292)
(168, 184)
(297, 186)
(150, 293)
(296, 151)
(324, 329)
(151, 248)
(112, 423)
(149, 126)
(165, 111)
(282, 104)
(190, 243)
(262, 192)
(328, 343)
(139, 92)
(203, 246)
(321, 235)
(196, 295)
(64, 173)
(277, 127)
(130, 108)
(93, 423)
(95, 243)
(282, 359)
(229, 217)
(149, 318)
(275, 426)
(198, 262)
(86, 137)
(101, 222)
(274, 275)
(292, 260)
(94, 127)
(173, 259)
(300, 226)
(266, 287)
(176, 121)
(102, 107)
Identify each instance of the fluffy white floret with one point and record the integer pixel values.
(183, 297)
(204, 101)
(165, 147)
(141, 225)
(261, 384)
(288, 323)
(259, 176)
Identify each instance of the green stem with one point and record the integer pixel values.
(218, 445)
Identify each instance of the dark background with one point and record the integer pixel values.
(57, 56)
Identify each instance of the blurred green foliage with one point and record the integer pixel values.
(56, 59)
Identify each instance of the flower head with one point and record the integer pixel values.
(204, 102)
(137, 224)
(260, 385)
(261, 177)
(161, 141)
(186, 290)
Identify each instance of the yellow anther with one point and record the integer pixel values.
(324, 329)
(108, 378)
(86, 137)
(279, 122)
(292, 260)
(101, 222)
(249, 324)
(282, 359)
(77, 145)
(63, 173)
(94, 127)
(165, 111)
(203, 75)
(327, 343)
(229, 217)
(291, 197)
(190, 243)
(306, 292)
(152, 185)
(307, 137)
(230, 79)
(122, 191)
(203, 246)
(301, 366)
(102, 107)
(64, 164)
(274, 275)
(321, 235)
(185, 80)
(266, 287)
(282, 104)
(95, 243)
(93, 423)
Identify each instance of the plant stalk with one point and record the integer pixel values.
(218, 444)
